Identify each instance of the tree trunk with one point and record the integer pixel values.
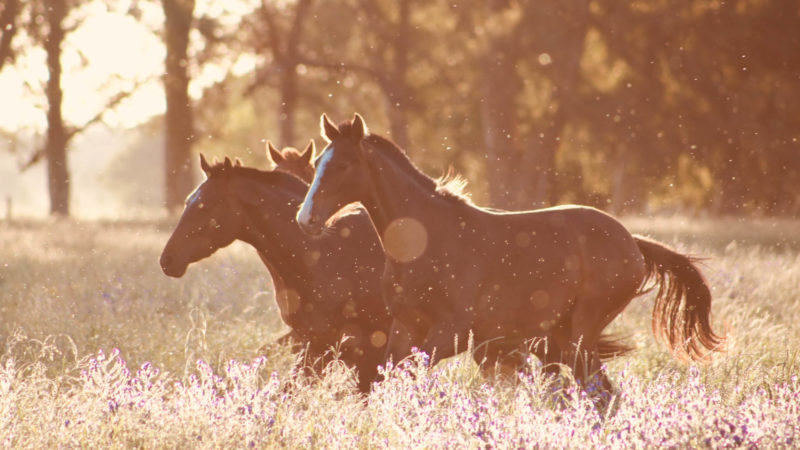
(288, 87)
(501, 87)
(288, 105)
(564, 72)
(521, 169)
(540, 162)
(398, 121)
(397, 91)
(55, 146)
(179, 133)
(730, 192)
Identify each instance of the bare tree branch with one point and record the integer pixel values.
(112, 103)
(33, 160)
(293, 42)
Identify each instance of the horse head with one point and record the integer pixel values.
(293, 161)
(338, 178)
(210, 220)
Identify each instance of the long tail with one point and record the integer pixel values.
(683, 302)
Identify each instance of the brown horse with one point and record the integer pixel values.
(325, 288)
(293, 161)
(557, 275)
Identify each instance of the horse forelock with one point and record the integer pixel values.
(291, 153)
(347, 130)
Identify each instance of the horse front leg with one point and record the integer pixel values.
(401, 340)
(291, 338)
(442, 339)
(588, 371)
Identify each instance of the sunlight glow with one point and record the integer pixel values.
(18, 110)
(111, 52)
(93, 72)
(112, 68)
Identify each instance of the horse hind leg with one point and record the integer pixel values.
(587, 369)
(586, 347)
(580, 353)
(499, 362)
(549, 352)
(506, 362)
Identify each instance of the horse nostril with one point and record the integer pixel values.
(166, 261)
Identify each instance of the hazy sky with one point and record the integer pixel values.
(109, 52)
(115, 51)
(134, 53)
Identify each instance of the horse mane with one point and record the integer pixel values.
(274, 177)
(453, 183)
(450, 185)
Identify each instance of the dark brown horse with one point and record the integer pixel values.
(325, 288)
(293, 161)
(557, 275)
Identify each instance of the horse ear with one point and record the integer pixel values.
(204, 165)
(308, 153)
(274, 154)
(328, 129)
(228, 164)
(237, 162)
(359, 127)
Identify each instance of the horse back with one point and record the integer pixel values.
(564, 245)
(607, 252)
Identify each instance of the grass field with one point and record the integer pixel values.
(100, 349)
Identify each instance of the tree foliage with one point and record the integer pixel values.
(627, 106)
(179, 123)
(624, 106)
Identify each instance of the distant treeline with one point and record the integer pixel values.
(624, 105)
(629, 106)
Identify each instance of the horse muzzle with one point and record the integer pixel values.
(312, 228)
(170, 267)
(309, 223)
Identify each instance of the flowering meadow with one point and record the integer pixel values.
(99, 349)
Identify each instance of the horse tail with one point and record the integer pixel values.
(681, 315)
(610, 346)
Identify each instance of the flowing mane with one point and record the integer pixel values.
(454, 184)
(450, 184)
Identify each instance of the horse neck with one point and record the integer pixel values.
(398, 190)
(270, 227)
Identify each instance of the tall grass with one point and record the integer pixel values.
(101, 349)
